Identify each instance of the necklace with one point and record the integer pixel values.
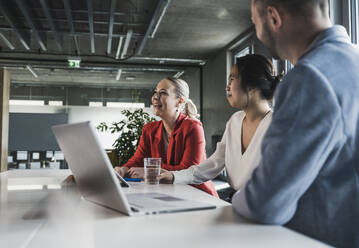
(266, 113)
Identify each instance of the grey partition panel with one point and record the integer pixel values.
(32, 132)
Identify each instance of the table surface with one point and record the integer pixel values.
(36, 211)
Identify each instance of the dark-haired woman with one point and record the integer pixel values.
(250, 88)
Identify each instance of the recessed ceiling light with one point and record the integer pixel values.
(130, 78)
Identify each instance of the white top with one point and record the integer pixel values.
(229, 155)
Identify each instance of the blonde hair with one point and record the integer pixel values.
(182, 91)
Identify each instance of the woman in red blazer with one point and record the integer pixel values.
(177, 139)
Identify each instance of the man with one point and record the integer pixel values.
(308, 178)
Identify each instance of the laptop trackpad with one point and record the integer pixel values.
(153, 200)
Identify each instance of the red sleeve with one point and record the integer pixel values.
(142, 151)
(194, 149)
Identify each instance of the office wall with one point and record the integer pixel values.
(73, 114)
(32, 132)
(216, 110)
(192, 77)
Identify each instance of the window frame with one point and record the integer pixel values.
(354, 21)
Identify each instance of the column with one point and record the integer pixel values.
(4, 117)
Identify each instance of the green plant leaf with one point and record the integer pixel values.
(130, 131)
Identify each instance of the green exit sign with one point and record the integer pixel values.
(74, 63)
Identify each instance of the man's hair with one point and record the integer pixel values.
(297, 7)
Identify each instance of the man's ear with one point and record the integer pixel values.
(274, 19)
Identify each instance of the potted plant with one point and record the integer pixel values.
(130, 129)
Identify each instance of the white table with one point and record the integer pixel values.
(43, 215)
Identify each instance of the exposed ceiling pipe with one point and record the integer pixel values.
(155, 22)
(118, 76)
(30, 21)
(119, 47)
(90, 15)
(61, 63)
(153, 33)
(32, 71)
(67, 7)
(6, 41)
(133, 68)
(174, 60)
(51, 22)
(127, 43)
(76, 33)
(22, 36)
(178, 74)
(110, 25)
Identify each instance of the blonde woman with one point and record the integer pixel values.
(177, 139)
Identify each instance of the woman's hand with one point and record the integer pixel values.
(123, 171)
(136, 172)
(69, 181)
(166, 177)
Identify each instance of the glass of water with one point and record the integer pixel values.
(152, 170)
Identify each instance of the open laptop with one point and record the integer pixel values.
(98, 182)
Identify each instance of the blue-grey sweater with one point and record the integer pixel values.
(308, 179)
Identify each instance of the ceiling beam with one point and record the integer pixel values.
(110, 25)
(70, 23)
(127, 43)
(77, 33)
(119, 48)
(96, 12)
(118, 75)
(22, 36)
(90, 14)
(50, 20)
(85, 21)
(94, 65)
(6, 41)
(158, 14)
(29, 19)
(32, 71)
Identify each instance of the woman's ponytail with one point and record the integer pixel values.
(190, 109)
(182, 91)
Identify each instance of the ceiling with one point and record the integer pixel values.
(163, 37)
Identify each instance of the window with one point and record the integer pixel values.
(21, 155)
(27, 102)
(95, 104)
(125, 105)
(55, 103)
(243, 52)
(288, 66)
(346, 13)
(354, 21)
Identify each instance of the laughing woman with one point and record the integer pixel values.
(177, 139)
(250, 88)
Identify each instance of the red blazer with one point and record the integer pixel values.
(186, 147)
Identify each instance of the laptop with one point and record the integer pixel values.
(98, 182)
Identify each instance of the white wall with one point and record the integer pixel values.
(97, 115)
